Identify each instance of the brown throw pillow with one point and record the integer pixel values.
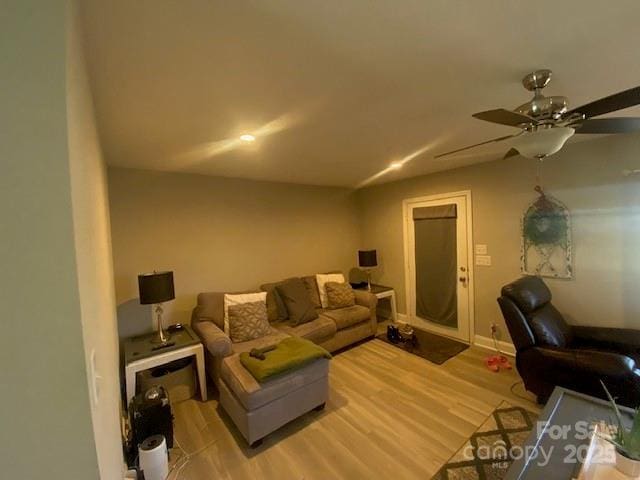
(340, 295)
(248, 321)
(312, 287)
(297, 300)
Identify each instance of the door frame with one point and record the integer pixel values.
(410, 290)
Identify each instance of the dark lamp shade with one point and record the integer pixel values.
(156, 287)
(367, 258)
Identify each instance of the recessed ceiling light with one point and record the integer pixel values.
(247, 138)
(395, 165)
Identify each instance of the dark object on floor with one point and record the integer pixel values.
(552, 353)
(150, 414)
(392, 334)
(259, 353)
(435, 348)
(507, 425)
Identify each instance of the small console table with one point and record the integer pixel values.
(140, 353)
(380, 291)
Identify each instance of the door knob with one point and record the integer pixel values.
(463, 279)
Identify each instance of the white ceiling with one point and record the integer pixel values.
(337, 89)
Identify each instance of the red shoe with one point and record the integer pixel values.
(504, 362)
(492, 363)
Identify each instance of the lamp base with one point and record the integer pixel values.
(161, 338)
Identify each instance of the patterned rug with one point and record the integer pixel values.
(487, 454)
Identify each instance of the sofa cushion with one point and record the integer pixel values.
(348, 316)
(252, 394)
(210, 308)
(248, 321)
(316, 330)
(340, 295)
(297, 300)
(274, 337)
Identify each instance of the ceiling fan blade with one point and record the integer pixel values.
(617, 101)
(511, 153)
(609, 125)
(504, 117)
(499, 139)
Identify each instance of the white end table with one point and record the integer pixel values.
(140, 353)
(380, 291)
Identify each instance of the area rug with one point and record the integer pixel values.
(489, 453)
(435, 348)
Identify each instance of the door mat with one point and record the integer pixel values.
(435, 348)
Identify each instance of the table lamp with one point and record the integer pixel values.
(367, 259)
(155, 288)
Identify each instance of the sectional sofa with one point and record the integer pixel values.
(258, 409)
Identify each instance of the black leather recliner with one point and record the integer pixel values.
(550, 352)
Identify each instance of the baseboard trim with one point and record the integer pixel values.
(487, 342)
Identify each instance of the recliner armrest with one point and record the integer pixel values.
(217, 342)
(594, 362)
(366, 299)
(622, 340)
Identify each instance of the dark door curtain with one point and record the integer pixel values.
(436, 264)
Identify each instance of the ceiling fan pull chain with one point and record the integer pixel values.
(539, 175)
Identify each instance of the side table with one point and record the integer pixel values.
(380, 291)
(140, 353)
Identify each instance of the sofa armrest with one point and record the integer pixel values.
(622, 340)
(366, 299)
(215, 340)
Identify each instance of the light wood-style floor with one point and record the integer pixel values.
(390, 415)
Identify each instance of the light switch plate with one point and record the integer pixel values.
(481, 249)
(484, 260)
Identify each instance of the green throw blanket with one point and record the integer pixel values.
(290, 354)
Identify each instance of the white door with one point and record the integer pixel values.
(438, 267)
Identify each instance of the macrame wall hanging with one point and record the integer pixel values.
(546, 238)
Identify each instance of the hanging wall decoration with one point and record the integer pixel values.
(546, 238)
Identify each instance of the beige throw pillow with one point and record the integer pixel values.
(322, 279)
(238, 298)
(248, 321)
(340, 295)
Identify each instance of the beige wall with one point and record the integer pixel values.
(45, 414)
(586, 176)
(93, 259)
(220, 234)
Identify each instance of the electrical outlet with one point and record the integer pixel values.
(481, 249)
(484, 260)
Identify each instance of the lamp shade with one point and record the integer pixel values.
(156, 287)
(367, 258)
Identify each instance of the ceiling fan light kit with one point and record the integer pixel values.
(546, 123)
(542, 142)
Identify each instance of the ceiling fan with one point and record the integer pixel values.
(546, 123)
